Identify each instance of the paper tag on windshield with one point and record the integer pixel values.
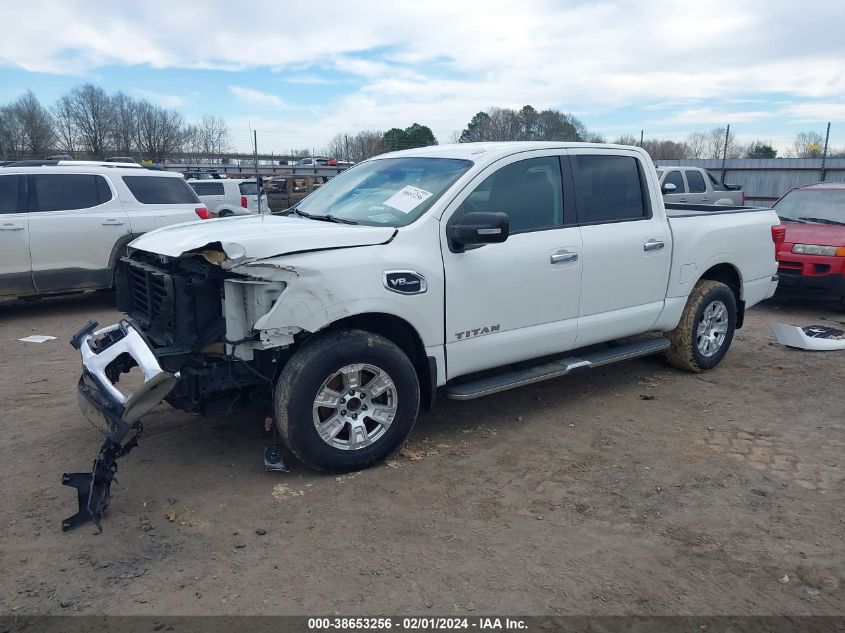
(408, 199)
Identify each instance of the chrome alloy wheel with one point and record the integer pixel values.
(712, 329)
(355, 406)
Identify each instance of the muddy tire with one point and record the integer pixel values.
(346, 400)
(706, 328)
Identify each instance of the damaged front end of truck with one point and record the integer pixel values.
(198, 327)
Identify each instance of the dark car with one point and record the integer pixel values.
(812, 258)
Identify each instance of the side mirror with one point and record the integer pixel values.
(668, 187)
(479, 227)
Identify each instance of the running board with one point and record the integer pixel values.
(520, 377)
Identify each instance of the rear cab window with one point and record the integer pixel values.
(160, 190)
(609, 188)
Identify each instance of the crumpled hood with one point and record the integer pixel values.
(257, 237)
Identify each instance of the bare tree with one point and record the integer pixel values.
(627, 139)
(213, 135)
(808, 145)
(697, 145)
(33, 123)
(665, 149)
(366, 144)
(64, 121)
(160, 131)
(714, 144)
(11, 141)
(93, 111)
(124, 131)
(337, 147)
(192, 142)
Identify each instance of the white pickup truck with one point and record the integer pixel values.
(473, 267)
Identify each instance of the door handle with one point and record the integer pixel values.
(705, 198)
(682, 200)
(560, 258)
(653, 245)
(8, 226)
(112, 222)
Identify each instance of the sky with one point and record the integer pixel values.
(299, 74)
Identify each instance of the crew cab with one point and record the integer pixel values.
(474, 268)
(812, 257)
(64, 224)
(695, 185)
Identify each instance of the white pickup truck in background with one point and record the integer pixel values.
(694, 185)
(472, 267)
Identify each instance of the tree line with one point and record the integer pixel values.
(712, 145)
(89, 123)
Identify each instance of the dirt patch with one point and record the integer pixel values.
(571, 496)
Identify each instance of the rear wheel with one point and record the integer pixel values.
(225, 213)
(706, 328)
(346, 400)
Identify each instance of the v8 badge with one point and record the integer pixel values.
(405, 282)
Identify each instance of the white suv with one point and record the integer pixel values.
(64, 224)
(227, 196)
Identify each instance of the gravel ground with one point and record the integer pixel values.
(634, 489)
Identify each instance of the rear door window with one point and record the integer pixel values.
(609, 188)
(249, 189)
(696, 182)
(67, 192)
(160, 190)
(207, 188)
(675, 178)
(10, 186)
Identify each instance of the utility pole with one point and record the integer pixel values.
(257, 175)
(346, 138)
(642, 132)
(824, 154)
(725, 150)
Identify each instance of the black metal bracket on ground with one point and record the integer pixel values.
(274, 459)
(93, 490)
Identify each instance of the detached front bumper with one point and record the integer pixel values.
(106, 354)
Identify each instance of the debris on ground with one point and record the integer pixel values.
(409, 453)
(283, 491)
(37, 338)
(817, 338)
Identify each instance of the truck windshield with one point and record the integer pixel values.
(389, 191)
(823, 206)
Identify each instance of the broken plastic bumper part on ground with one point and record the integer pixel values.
(106, 354)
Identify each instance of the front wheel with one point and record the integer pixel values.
(706, 328)
(346, 400)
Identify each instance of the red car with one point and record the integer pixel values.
(812, 257)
